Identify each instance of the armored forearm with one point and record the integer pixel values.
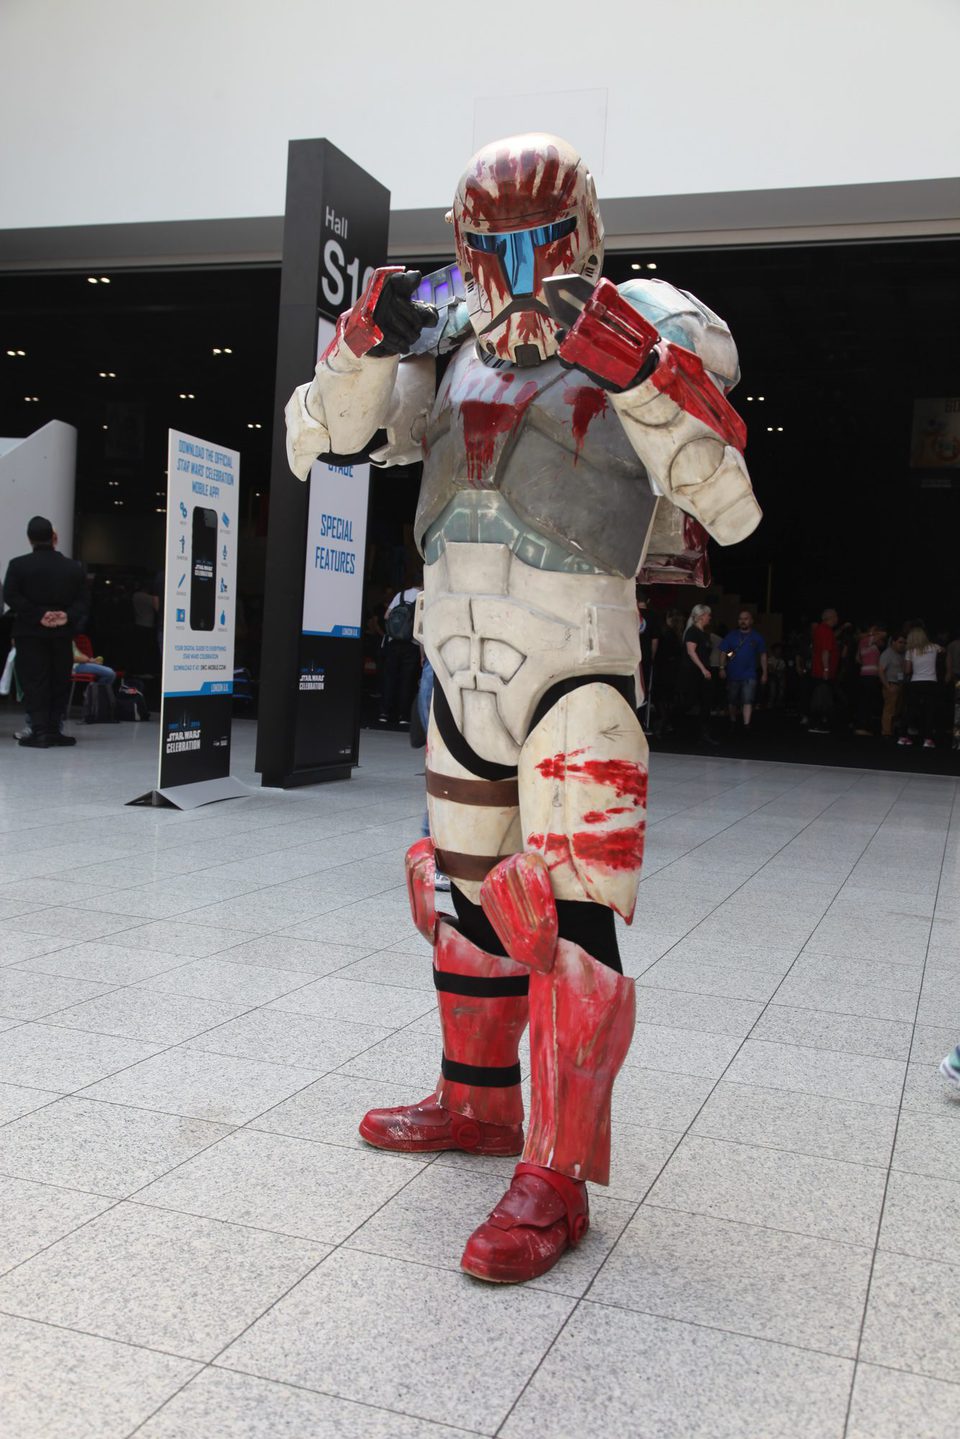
(350, 396)
(676, 417)
(697, 465)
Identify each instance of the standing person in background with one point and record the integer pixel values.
(46, 592)
(892, 673)
(921, 666)
(870, 647)
(824, 665)
(401, 658)
(695, 677)
(743, 651)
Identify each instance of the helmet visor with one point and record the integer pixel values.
(517, 251)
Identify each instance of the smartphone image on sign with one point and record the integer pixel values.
(203, 569)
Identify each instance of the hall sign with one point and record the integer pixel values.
(341, 283)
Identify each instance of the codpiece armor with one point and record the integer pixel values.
(577, 424)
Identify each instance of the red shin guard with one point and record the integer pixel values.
(483, 1013)
(582, 1016)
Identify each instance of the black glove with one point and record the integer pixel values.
(400, 316)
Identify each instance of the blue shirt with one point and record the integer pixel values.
(743, 651)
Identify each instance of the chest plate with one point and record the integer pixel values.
(548, 443)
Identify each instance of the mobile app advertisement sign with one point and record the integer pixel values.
(198, 610)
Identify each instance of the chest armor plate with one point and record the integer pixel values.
(548, 442)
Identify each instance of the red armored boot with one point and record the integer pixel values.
(477, 1105)
(582, 1016)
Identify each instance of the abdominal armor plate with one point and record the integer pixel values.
(499, 633)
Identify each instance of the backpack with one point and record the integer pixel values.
(99, 705)
(131, 703)
(399, 622)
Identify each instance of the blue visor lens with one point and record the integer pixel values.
(517, 250)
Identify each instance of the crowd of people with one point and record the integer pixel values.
(898, 685)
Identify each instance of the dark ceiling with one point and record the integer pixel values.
(838, 339)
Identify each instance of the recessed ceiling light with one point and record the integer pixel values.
(760, 398)
(92, 280)
(749, 397)
(32, 399)
(779, 429)
(104, 427)
(255, 425)
(769, 429)
(636, 265)
(118, 502)
(107, 374)
(15, 354)
(160, 510)
(184, 395)
(104, 279)
(216, 351)
(651, 265)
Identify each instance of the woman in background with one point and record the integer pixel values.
(920, 663)
(695, 677)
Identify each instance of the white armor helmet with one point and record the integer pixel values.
(525, 209)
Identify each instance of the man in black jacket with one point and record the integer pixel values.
(45, 590)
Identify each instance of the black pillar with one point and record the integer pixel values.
(336, 224)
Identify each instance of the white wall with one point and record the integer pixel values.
(37, 477)
(127, 110)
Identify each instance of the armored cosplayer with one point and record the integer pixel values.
(577, 425)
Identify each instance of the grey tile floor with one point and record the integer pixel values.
(195, 1010)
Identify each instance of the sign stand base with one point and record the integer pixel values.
(191, 796)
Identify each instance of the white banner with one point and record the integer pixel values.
(203, 491)
(336, 541)
(336, 545)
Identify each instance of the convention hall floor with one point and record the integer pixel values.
(194, 1243)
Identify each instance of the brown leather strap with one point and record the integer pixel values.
(466, 866)
(499, 793)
